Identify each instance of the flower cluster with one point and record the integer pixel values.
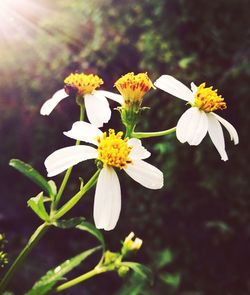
(117, 151)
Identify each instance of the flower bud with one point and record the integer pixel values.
(122, 271)
(131, 245)
(132, 88)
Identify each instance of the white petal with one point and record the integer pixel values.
(97, 109)
(173, 86)
(107, 204)
(114, 96)
(51, 103)
(84, 131)
(230, 128)
(146, 174)
(193, 87)
(137, 151)
(216, 135)
(192, 126)
(200, 126)
(65, 158)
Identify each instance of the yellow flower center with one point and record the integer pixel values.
(208, 100)
(85, 84)
(132, 87)
(113, 150)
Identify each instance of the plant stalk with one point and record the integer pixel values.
(68, 172)
(74, 200)
(80, 279)
(153, 134)
(34, 239)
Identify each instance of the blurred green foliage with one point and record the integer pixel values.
(196, 230)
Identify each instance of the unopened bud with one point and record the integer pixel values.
(133, 87)
(131, 245)
(122, 271)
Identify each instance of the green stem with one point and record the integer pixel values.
(61, 189)
(40, 231)
(82, 110)
(80, 279)
(152, 134)
(74, 200)
(129, 131)
(68, 172)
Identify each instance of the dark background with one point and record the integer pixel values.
(196, 230)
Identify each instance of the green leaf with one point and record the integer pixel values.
(32, 174)
(69, 223)
(86, 226)
(163, 258)
(219, 225)
(53, 188)
(79, 223)
(139, 269)
(185, 62)
(81, 182)
(37, 205)
(48, 281)
(171, 279)
(135, 285)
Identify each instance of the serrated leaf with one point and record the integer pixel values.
(86, 226)
(37, 205)
(32, 174)
(69, 223)
(140, 269)
(48, 281)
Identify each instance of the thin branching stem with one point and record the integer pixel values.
(153, 134)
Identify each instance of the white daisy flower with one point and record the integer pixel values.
(113, 152)
(194, 124)
(84, 87)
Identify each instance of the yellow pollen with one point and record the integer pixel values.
(85, 84)
(208, 100)
(113, 150)
(132, 87)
